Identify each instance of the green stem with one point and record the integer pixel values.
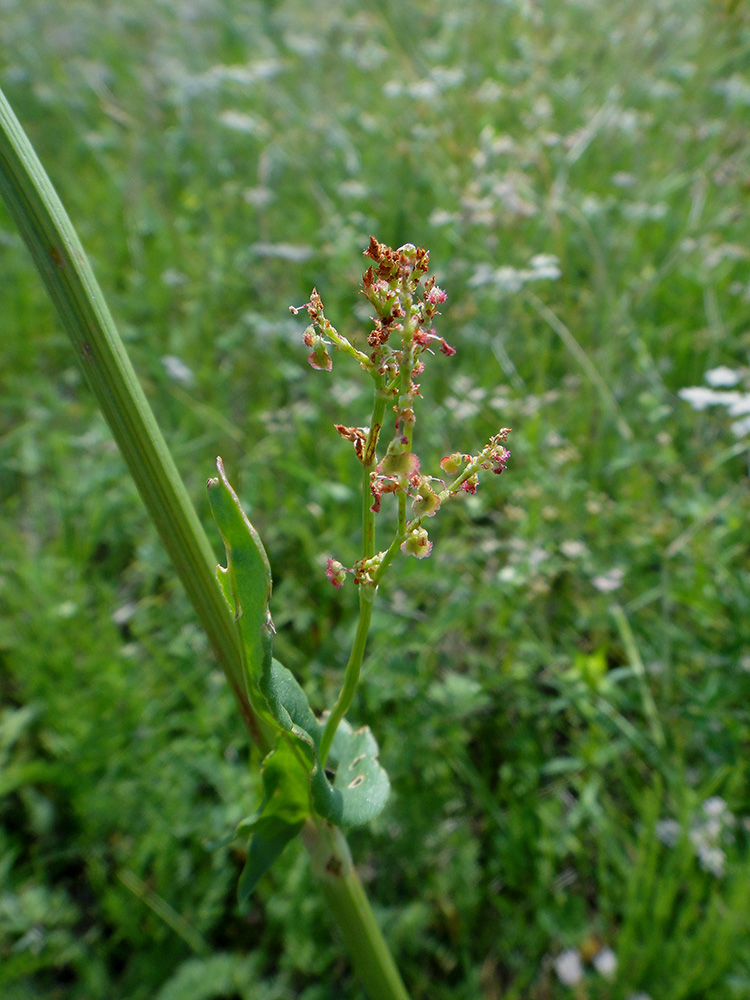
(401, 530)
(366, 594)
(369, 461)
(388, 556)
(72, 287)
(353, 668)
(332, 863)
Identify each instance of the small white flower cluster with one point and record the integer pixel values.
(721, 391)
(440, 79)
(543, 266)
(607, 582)
(709, 830)
(569, 965)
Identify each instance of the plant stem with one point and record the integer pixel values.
(332, 863)
(73, 289)
(369, 461)
(366, 593)
(353, 668)
(388, 556)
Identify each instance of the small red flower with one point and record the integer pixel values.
(336, 572)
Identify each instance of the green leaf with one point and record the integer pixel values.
(246, 585)
(212, 978)
(270, 837)
(361, 785)
(294, 782)
(286, 805)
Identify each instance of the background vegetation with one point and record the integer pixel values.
(564, 684)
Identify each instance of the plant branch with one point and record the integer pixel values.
(353, 668)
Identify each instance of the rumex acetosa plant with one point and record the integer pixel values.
(319, 775)
(322, 768)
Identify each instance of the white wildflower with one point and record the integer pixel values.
(177, 370)
(508, 279)
(545, 265)
(569, 967)
(296, 253)
(715, 807)
(571, 548)
(722, 377)
(173, 278)
(741, 427)
(712, 859)
(537, 557)
(622, 179)
(239, 121)
(605, 963)
(607, 582)
(668, 831)
(699, 397)
(441, 217)
(423, 90)
(738, 404)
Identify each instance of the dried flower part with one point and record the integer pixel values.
(379, 485)
(407, 264)
(357, 435)
(314, 308)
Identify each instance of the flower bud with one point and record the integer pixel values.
(436, 296)
(336, 572)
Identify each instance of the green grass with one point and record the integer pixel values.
(220, 159)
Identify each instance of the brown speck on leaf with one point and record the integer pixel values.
(356, 761)
(56, 257)
(86, 352)
(356, 782)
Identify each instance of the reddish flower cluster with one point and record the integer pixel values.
(403, 330)
(315, 334)
(392, 287)
(493, 457)
(336, 572)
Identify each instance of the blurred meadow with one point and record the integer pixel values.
(561, 691)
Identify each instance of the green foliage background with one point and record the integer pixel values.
(220, 159)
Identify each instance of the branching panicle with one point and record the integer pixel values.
(406, 304)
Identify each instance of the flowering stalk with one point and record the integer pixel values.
(403, 334)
